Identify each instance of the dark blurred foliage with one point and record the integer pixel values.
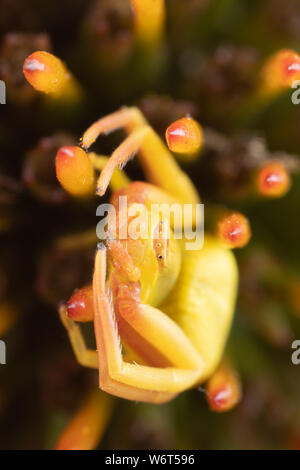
(207, 66)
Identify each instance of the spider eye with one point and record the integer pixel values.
(160, 257)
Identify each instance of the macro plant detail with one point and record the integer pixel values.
(157, 326)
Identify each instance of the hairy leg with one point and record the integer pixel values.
(169, 380)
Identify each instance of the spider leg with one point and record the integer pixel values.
(89, 358)
(86, 357)
(168, 380)
(158, 163)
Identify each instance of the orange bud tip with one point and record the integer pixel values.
(234, 230)
(221, 400)
(281, 70)
(45, 72)
(75, 171)
(223, 390)
(80, 306)
(273, 180)
(184, 136)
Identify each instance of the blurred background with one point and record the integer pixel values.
(208, 64)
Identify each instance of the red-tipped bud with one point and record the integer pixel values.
(223, 389)
(75, 171)
(80, 306)
(45, 72)
(273, 180)
(234, 230)
(280, 70)
(184, 136)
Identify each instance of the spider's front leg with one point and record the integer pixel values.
(158, 163)
(86, 357)
(139, 382)
(89, 358)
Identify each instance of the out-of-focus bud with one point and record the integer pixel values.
(280, 71)
(108, 35)
(272, 180)
(8, 316)
(48, 74)
(233, 230)
(45, 72)
(184, 136)
(86, 428)
(75, 172)
(223, 389)
(39, 171)
(80, 306)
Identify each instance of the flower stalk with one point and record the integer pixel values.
(149, 21)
